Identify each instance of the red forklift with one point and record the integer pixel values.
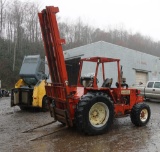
(88, 106)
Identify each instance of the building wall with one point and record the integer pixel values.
(131, 60)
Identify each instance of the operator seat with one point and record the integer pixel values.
(107, 83)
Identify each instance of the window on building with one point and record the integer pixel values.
(150, 85)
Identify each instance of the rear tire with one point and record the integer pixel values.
(94, 113)
(23, 108)
(45, 107)
(140, 114)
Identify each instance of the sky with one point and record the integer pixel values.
(141, 16)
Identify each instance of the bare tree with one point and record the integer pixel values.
(2, 8)
(15, 16)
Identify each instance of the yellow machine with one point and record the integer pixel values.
(30, 91)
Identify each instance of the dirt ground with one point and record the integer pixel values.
(122, 137)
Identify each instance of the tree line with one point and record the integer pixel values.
(20, 35)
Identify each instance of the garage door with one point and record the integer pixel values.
(141, 77)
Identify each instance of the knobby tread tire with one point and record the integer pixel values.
(23, 108)
(135, 114)
(82, 113)
(45, 107)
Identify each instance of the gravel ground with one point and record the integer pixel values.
(122, 137)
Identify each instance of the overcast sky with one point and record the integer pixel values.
(136, 15)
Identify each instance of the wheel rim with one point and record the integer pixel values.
(144, 115)
(99, 114)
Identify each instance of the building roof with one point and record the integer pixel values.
(100, 46)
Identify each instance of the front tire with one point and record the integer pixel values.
(140, 114)
(94, 113)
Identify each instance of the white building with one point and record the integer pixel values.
(137, 66)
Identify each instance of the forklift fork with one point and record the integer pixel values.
(57, 130)
(29, 130)
(33, 139)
